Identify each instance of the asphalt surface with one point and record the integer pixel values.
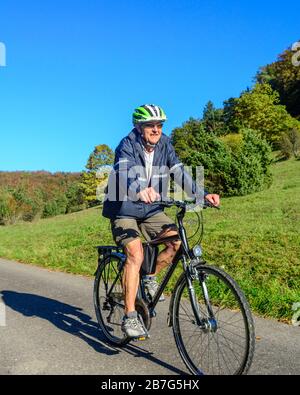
(51, 328)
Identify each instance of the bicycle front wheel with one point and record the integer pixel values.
(223, 344)
(109, 300)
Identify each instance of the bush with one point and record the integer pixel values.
(4, 207)
(75, 197)
(290, 144)
(250, 167)
(234, 141)
(15, 204)
(56, 206)
(233, 165)
(29, 202)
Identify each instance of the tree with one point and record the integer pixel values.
(183, 138)
(101, 156)
(213, 120)
(229, 115)
(284, 77)
(98, 167)
(259, 109)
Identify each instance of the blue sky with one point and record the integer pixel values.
(76, 69)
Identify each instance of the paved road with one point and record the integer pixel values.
(51, 329)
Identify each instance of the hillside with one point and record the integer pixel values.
(255, 238)
(28, 195)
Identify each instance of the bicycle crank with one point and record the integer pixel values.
(144, 312)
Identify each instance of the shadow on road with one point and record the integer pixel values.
(68, 318)
(139, 352)
(72, 320)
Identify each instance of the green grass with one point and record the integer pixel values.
(255, 238)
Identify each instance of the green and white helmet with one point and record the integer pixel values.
(148, 113)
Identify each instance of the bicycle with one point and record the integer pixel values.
(210, 316)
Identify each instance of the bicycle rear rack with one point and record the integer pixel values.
(105, 250)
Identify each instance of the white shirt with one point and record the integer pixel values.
(149, 162)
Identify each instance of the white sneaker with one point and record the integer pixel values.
(133, 327)
(151, 287)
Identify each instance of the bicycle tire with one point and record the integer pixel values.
(230, 308)
(110, 308)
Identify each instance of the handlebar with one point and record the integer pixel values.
(184, 203)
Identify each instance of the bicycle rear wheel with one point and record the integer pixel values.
(224, 342)
(109, 300)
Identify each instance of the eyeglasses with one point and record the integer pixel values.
(152, 125)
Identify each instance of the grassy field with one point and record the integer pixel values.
(255, 238)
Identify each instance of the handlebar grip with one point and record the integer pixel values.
(208, 204)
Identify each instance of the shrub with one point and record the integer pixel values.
(290, 144)
(233, 165)
(4, 207)
(56, 206)
(15, 204)
(234, 141)
(250, 167)
(75, 198)
(29, 202)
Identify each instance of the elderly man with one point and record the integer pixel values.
(132, 212)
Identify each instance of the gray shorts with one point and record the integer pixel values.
(125, 230)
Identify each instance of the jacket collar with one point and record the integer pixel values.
(135, 137)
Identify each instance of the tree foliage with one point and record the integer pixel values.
(233, 141)
(230, 171)
(98, 168)
(284, 77)
(213, 120)
(259, 109)
(101, 156)
(27, 196)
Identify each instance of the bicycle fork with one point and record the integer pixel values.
(207, 324)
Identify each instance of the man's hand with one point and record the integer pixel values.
(213, 199)
(148, 195)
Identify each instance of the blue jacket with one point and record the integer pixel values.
(129, 177)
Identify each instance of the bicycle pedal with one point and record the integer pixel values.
(141, 338)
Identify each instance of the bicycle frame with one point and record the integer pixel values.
(182, 254)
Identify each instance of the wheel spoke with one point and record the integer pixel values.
(109, 301)
(221, 348)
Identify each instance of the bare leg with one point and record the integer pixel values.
(131, 275)
(167, 255)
